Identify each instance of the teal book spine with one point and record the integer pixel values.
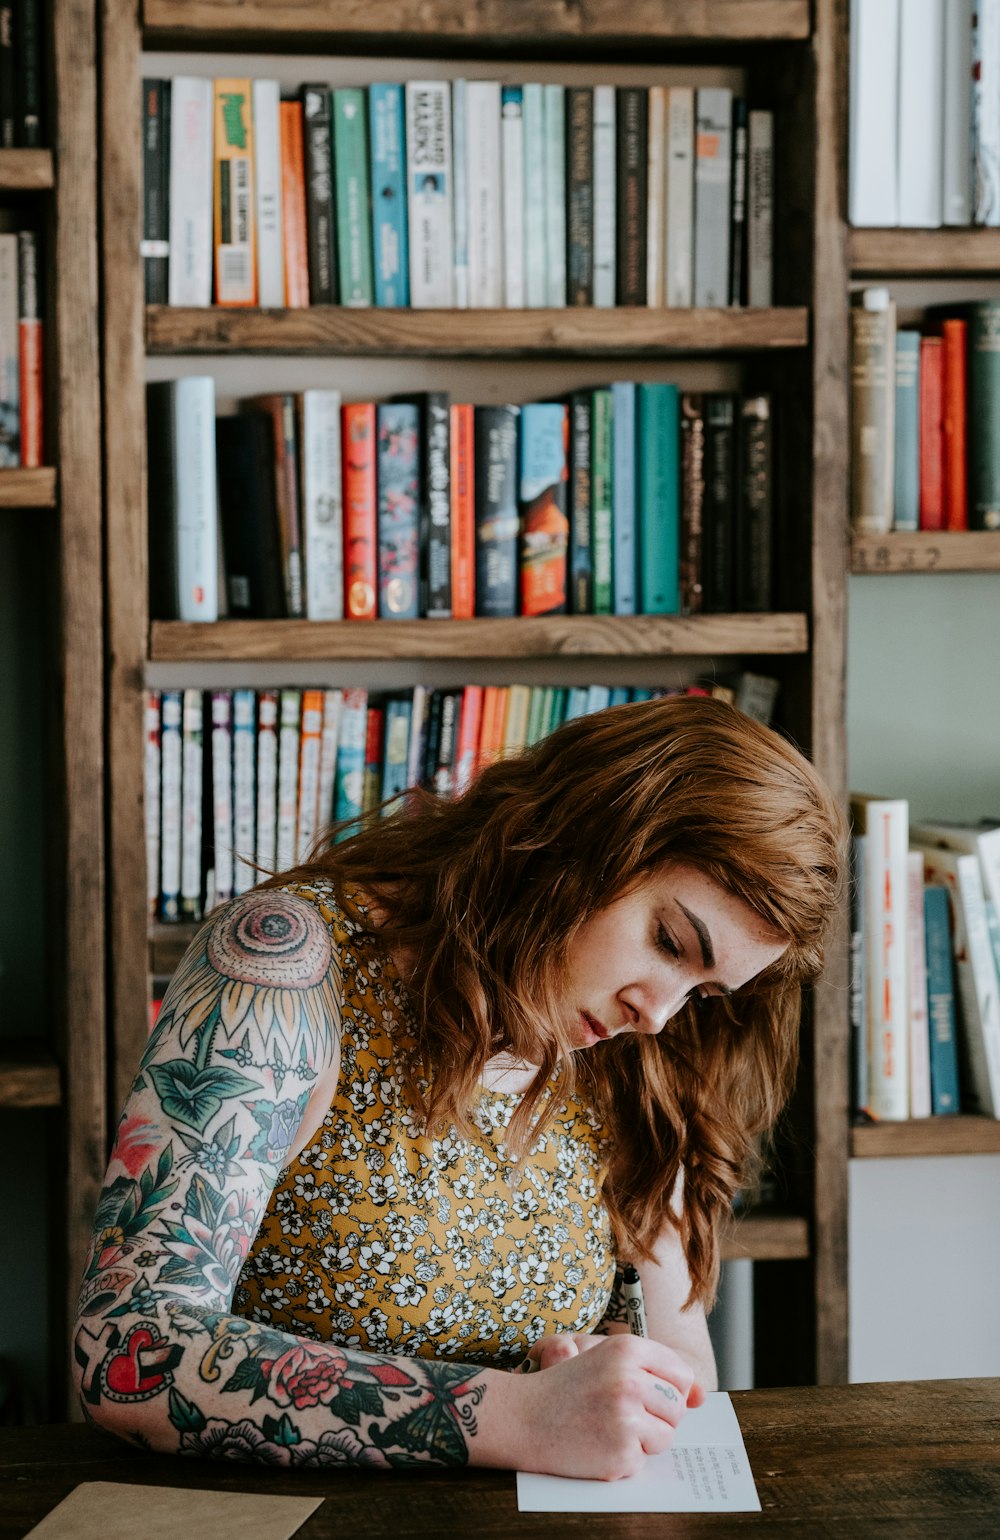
(535, 254)
(350, 157)
(659, 499)
(350, 777)
(906, 478)
(623, 498)
(390, 243)
(984, 413)
(941, 1001)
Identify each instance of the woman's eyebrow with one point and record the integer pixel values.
(701, 931)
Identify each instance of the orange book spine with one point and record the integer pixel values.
(463, 513)
(360, 516)
(469, 723)
(235, 210)
(293, 207)
(956, 499)
(491, 727)
(931, 436)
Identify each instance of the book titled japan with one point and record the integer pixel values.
(429, 192)
(390, 242)
(235, 224)
(543, 498)
(497, 522)
(398, 482)
(190, 218)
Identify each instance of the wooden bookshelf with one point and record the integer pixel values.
(29, 1075)
(945, 253)
(961, 1135)
(766, 1235)
(28, 488)
(26, 171)
(925, 551)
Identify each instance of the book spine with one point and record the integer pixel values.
(398, 484)
(360, 511)
(885, 823)
(602, 513)
(694, 473)
(906, 452)
(659, 499)
(429, 192)
(874, 104)
(333, 706)
(484, 194)
(581, 566)
(623, 497)
(931, 433)
(28, 74)
(435, 497)
(631, 211)
(580, 195)
(317, 149)
(351, 755)
(443, 778)
(190, 274)
(460, 201)
(491, 731)
(543, 496)
(535, 224)
(555, 196)
(432, 737)
(858, 983)
(267, 144)
(309, 756)
(192, 757)
(712, 189)
(656, 195)
(353, 198)
(679, 259)
(755, 520)
(281, 411)
(956, 181)
(985, 120)
(171, 797)
(719, 519)
(953, 423)
(151, 789)
(222, 793)
(10, 355)
(267, 781)
(921, 112)
(294, 222)
(760, 208)
(235, 232)
(873, 389)
(515, 726)
(396, 750)
(605, 196)
(195, 512)
(467, 751)
(371, 783)
(738, 206)
(244, 756)
(535, 710)
(29, 349)
(463, 512)
(512, 139)
(942, 1024)
(497, 522)
(390, 245)
(8, 114)
(289, 734)
(321, 503)
(155, 150)
(418, 735)
(244, 448)
(983, 407)
(920, 1062)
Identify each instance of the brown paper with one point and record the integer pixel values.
(97, 1509)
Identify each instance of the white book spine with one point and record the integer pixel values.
(712, 174)
(414, 763)
(921, 114)
(191, 804)
(604, 196)
(267, 782)
(244, 754)
(222, 793)
(985, 115)
(555, 196)
(322, 506)
(333, 702)
(151, 789)
(191, 148)
(267, 154)
(920, 1045)
(288, 777)
(461, 203)
(956, 175)
(512, 132)
(874, 98)
(483, 185)
(888, 969)
(535, 281)
(680, 198)
(312, 727)
(656, 195)
(429, 197)
(170, 804)
(760, 209)
(196, 511)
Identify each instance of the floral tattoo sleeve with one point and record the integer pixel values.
(248, 1026)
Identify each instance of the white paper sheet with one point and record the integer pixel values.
(706, 1470)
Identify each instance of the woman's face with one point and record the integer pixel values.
(676, 935)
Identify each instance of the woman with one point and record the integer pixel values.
(406, 1107)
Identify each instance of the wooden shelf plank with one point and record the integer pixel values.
(475, 24)
(766, 1236)
(937, 253)
(26, 171)
(962, 1135)
(173, 641)
(632, 332)
(168, 943)
(28, 489)
(29, 1076)
(927, 551)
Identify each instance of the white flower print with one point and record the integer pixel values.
(465, 1188)
(377, 1256)
(533, 1270)
(317, 1300)
(407, 1290)
(382, 1190)
(502, 1279)
(560, 1296)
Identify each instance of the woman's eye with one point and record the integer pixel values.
(666, 943)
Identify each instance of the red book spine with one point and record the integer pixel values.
(293, 206)
(360, 511)
(956, 501)
(931, 433)
(463, 514)
(469, 722)
(29, 349)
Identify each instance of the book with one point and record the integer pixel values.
(222, 795)
(535, 225)
(985, 122)
(631, 195)
(435, 503)
(398, 486)
(235, 234)
(280, 411)
(873, 391)
(542, 497)
(580, 554)
(719, 515)
(656, 194)
(874, 122)
(289, 735)
(267, 782)
(906, 442)
(920, 172)
(579, 195)
(155, 246)
(497, 524)
(183, 514)
(463, 512)
(351, 756)
(942, 1022)
(885, 822)
(30, 365)
(953, 422)
(310, 746)
(171, 796)
(515, 726)
(333, 707)
(554, 205)
(321, 231)
(981, 840)
(738, 205)
(755, 516)
(267, 182)
(244, 448)
(441, 772)
(244, 777)
(659, 499)
(983, 409)
(294, 219)
(151, 799)
(396, 748)
(956, 159)
(417, 745)
(460, 198)
(360, 511)
(484, 193)
(28, 74)
(601, 498)
(857, 987)
(605, 196)
(321, 503)
(371, 784)
(623, 491)
(467, 747)
(190, 216)
(760, 208)
(512, 156)
(10, 354)
(429, 192)
(390, 240)
(353, 197)
(756, 695)
(8, 106)
(692, 510)
(920, 1054)
(491, 729)
(679, 254)
(712, 188)
(931, 433)
(192, 756)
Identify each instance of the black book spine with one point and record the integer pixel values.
(444, 768)
(738, 207)
(433, 740)
(581, 555)
(154, 212)
(756, 499)
(630, 225)
(160, 463)
(720, 493)
(692, 499)
(28, 75)
(435, 502)
(497, 522)
(8, 107)
(580, 195)
(249, 517)
(317, 129)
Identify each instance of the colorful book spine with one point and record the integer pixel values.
(755, 519)
(680, 198)
(535, 225)
(321, 503)
(267, 782)
(931, 433)
(954, 337)
(659, 499)
(630, 181)
(484, 193)
(321, 234)
(192, 759)
(467, 749)
(222, 795)
(601, 494)
(310, 747)
(371, 784)
(760, 209)
(719, 520)
(656, 184)
(29, 333)
(155, 246)
(390, 242)
(712, 183)
(463, 512)
(398, 487)
(497, 524)
(244, 810)
(396, 749)
(943, 1026)
(920, 1060)
(693, 477)
(984, 412)
(512, 150)
(360, 511)
(435, 504)
(885, 822)
(605, 196)
(460, 199)
(491, 728)
(294, 223)
(906, 449)
(270, 238)
(171, 798)
(353, 197)
(289, 734)
(235, 226)
(151, 789)
(581, 565)
(544, 446)
(190, 274)
(351, 756)
(333, 706)
(429, 192)
(580, 195)
(623, 492)
(873, 393)
(555, 196)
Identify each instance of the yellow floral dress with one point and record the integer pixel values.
(382, 1237)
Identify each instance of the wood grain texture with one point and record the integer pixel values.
(29, 488)
(963, 1135)
(906, 1461)
(26, 171)
(550, 636)
(924, 253)
(975, 550)
(29, 1075)
(570, 332)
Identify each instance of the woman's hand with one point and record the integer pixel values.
(556, 1348)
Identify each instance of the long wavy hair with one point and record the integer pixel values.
(483, 894)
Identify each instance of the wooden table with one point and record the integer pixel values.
(920, 1460)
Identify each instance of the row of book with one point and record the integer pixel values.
(925, 113)
(20, 74)
(20, 351)
(626, 499)
(464, 193)
(925, 964)
(241, 783)
(925, 404)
